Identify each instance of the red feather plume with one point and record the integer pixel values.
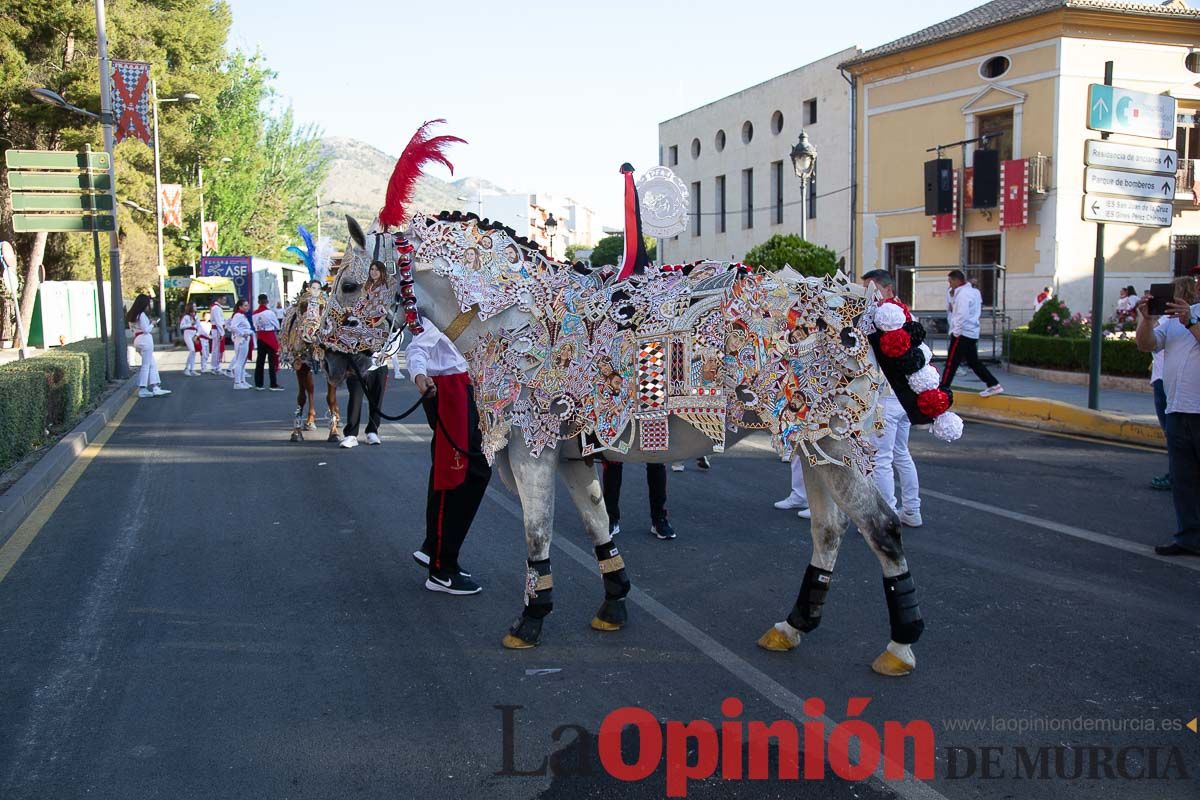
(421, 150)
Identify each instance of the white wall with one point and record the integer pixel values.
(757, 104)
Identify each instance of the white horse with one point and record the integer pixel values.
(499, 298)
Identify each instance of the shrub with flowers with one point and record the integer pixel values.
(1054, 318)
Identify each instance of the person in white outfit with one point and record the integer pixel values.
(242, 332)
(143, 341)
(798, 499)
(891, 446)
(216, 318)
(189, 327)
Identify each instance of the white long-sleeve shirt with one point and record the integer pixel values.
(216, 318)
(965, 305)
(266, 320)
(188, 322)
(143, 326)
(432, 353)
(240, 327)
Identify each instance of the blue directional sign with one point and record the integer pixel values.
(1116, 110)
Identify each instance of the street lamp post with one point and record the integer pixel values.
(551, 229)
(321, 205)
(804, 161)
(155, 100)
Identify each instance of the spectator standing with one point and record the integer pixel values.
(266, 331)
(1127, 304)
(189, 327)
(1045, 294)
(964, 305)
(242, 332)
(656, 483)
(1178, 338)
(216, 335)
(143, 342)
(891, 446)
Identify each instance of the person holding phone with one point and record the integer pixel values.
(1177, 337)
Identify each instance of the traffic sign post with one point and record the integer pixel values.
(1159, 160)
(1129, 184)
(1128, 211)
(1115, 110)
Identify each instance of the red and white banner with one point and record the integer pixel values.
(170, 200)
(209, 236)
(944, 224)
(131, 100)
(1014, 194)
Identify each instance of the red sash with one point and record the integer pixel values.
(449, 465)
(267, 338)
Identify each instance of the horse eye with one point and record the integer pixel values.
(349, 286)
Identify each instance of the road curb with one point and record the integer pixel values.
(23, 496)
(1053, 415)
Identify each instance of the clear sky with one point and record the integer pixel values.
(552, 97)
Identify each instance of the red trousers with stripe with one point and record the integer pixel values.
(448, 515)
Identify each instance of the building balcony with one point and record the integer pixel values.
(1185, 179)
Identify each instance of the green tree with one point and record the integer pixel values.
(608, 251)
(788, 249)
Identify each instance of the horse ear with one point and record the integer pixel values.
(356, 232)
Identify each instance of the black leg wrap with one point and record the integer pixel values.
(539, 590)
(527, 629)
(616, 584)
(806, 614)
(903, 611)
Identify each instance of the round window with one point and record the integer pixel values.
(720, 141)
(1192, 61)
(747, 131)
(777, 123)
(695, 148)
(994, 67)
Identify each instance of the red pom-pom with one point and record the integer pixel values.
(933, 403)
(895, 343)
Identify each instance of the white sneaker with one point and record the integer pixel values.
(144, 392)
(804, 513)
(348, 442)
(677, 466)
(260, 388)
(158, 391)
(242, 386)
(991, 390)
(912, 520)
(373, 438)
(790, 502)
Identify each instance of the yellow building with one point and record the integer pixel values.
(1020, 70)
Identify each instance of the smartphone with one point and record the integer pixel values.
(1160, 294)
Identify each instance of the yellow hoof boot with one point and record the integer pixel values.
(891, 665)
(516, 643)
(600, 625)
(775, 641)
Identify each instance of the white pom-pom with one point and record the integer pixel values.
(889, 317)
(948, 427)
(924, 348)
(924, 379)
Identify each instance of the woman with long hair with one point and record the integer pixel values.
(192, 341)
(243, 331)
(143, 342)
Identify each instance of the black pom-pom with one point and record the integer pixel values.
(916, 332)
(911, 361)
(445, 215)
(472, 216)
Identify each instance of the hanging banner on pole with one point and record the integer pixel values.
(171, 202)
(1014, 194)
(208, 236)
(944, 224)
(131, 100)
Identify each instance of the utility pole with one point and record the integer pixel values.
(121, 357)
(1097, 349)
(158, 220)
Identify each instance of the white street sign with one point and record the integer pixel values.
(1117, 110)
(1129, 184)
(1130, 156)
(1148, 213)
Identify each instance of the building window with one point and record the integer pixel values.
(747, 131)
(998, 124)
(984, 251)
(1187, 144)
(811, 200)
(1192, 61)
(810, 111)
(748, 198)
(777, 123)
(719, 141)
(720, 203)
(696, 216)
(672, 155)
(777, 192)
(994, 67)
(902, 254)
(1185, 254)
(695, 148)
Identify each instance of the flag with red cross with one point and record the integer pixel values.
(131, 100)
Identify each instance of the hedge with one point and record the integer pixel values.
(1118, 356)
(47, 393)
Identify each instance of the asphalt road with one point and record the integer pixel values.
(214, 612)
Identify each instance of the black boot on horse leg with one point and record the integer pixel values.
(539, 601)
(612, 615)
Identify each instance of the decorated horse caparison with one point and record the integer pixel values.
(570, 364)
(300, 347)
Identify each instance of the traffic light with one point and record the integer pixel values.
(939, 187)
(985, 182)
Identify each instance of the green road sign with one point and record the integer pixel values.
(40, 201)
(54, 181)
(62, 223)
(176, 283)
(55, 159)
(1116, 110)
